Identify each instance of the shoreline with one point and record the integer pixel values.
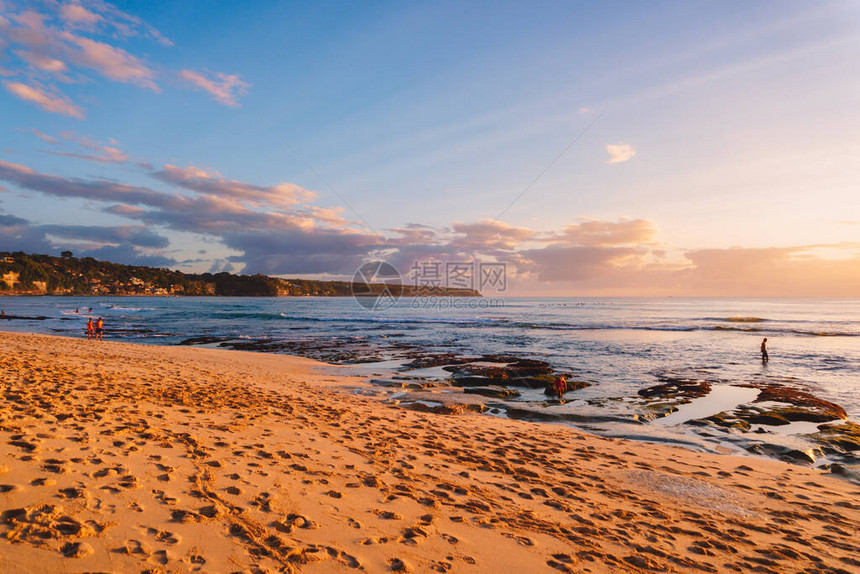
(128, 457)
(828, 440)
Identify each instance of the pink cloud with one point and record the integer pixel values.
(601, 233)
(43, 136)
(212, 182)
(49, 40)
(77, 15)
(619, 153)
(44, 63)
(224, 88)
(489, 235)
(54, 103)
(111, 62)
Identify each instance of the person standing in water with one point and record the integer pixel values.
(100, 328)
(560, 387)
(91, 330)
(764, 357)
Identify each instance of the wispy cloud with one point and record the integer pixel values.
(76, 15)
(53, 102)
(61, 42)
(112, 62)
(43, 136)
(42, 62)
(224, 88)
(619, 153)
(92, 150)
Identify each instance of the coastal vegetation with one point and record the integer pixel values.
(30, 274)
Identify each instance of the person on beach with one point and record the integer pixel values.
(764, 357)
(560, 387)
(100, 328)
(91, 330)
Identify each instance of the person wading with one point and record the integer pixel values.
(560, 388)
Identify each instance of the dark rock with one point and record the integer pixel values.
(435, 360)
(699, 422)
(509, 369)
(446, 409)
(405, 384)
(678, 388)
(800, 455)
(344, 350)
(785, 453)
(570, 386)
(728, 421)
(844, 437)
(767, 418)
(204, 340)
(816, 409)
(494, 391)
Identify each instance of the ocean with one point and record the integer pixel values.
(619, 345)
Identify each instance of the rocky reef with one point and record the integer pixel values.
(779, 422)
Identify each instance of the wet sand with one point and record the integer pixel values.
(129, 458)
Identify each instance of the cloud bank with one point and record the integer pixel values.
(279, 230)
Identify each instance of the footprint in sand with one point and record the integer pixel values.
(162, 535)
(76, 550)
(134, 548)
(159, 557)
(450, 539)
(399, 565)
(413, 536)
(43, 482)
(376, 540)
(522, 540)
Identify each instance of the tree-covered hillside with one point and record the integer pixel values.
(25, 274)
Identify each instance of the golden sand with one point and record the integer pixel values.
(129, 458)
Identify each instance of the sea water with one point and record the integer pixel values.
(620, 345)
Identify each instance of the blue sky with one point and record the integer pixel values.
(725, 135)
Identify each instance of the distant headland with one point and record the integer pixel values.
(32, 274)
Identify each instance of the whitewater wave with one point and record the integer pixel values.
(348, 319)
(127, 308)
(810, 333)
(683, 328)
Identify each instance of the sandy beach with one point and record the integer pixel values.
(129, 458)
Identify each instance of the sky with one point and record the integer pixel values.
(614, 148)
